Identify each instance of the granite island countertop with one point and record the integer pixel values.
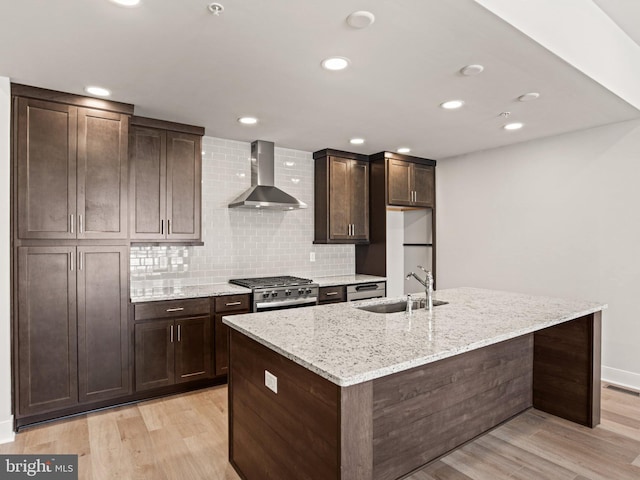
(348, 346)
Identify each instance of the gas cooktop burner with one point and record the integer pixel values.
(268, 282)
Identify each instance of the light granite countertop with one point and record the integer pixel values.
(348, 346)
(347, 280)
(153, 294)
(189, 291)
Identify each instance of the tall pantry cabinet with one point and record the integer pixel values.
(70, 251)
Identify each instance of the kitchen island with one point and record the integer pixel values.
(337, 392)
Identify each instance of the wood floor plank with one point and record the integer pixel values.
(185, 437)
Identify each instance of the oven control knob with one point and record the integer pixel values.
(265, 295)
(308, 290)
(287, 292)
(274, 294)
(301, 291)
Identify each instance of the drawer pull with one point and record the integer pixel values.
(178, 309)
(328, 294)
(232, 304)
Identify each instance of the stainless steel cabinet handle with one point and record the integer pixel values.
(171, 333)
(81, 224)
(328, 294)
(161, 227)
(80, 260)
(71, 222)
(179, 332)
(71, 261)
(231, 304)
(169, 227)
(177, 309)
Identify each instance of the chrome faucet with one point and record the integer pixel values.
(427, 283)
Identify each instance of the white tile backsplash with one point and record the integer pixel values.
(240, 242)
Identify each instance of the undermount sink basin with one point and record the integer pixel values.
(397, 306)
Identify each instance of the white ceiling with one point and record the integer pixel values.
(176, 61)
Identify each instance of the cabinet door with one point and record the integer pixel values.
(154, 354)
(423, 185)
(46, 169)
(339, 198)
(222, 345)
(46, 329)
(193, 349)
(184, 184)
(102, 174)
(103, 350)
(399, 185)
(359, 197)
(147, 183)
(224, 306)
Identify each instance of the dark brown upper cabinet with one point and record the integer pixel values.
(71, 164)
(410, 182)
(165, 181)
(341, 197)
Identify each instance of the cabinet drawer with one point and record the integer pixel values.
(172, 308)
(332, 294)
(231, 303)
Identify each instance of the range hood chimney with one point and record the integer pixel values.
(263, 193)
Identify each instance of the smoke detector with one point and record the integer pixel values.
(215, 8)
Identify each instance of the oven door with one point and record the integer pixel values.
(283, 304)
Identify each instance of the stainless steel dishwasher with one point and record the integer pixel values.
(364, 291)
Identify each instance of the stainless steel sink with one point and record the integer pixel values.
(396, 306)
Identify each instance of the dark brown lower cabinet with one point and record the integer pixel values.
(46, 330)
(173, 351)
(224, 306)
(71, 326)
(103, 348)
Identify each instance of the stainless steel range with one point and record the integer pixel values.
(275, 293)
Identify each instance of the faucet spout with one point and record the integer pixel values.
(427, 283)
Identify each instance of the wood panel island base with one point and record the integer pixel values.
(339, 411)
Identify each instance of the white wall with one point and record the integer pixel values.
(580, 33)
(557, 216)
(6, 419)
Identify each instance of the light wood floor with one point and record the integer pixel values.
(185, 437)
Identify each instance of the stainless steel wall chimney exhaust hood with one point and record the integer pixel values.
(263, 193)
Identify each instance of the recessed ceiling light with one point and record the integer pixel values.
(471, 70)
(335, 63)
(356, 141)
(529, 96)
(403, 150)
(127, 3)
(248, 120)
(97, 91)
(513, 126)
(361, 19)
(452, 104)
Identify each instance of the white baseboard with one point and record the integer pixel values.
(622, 378)
(6, 430)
